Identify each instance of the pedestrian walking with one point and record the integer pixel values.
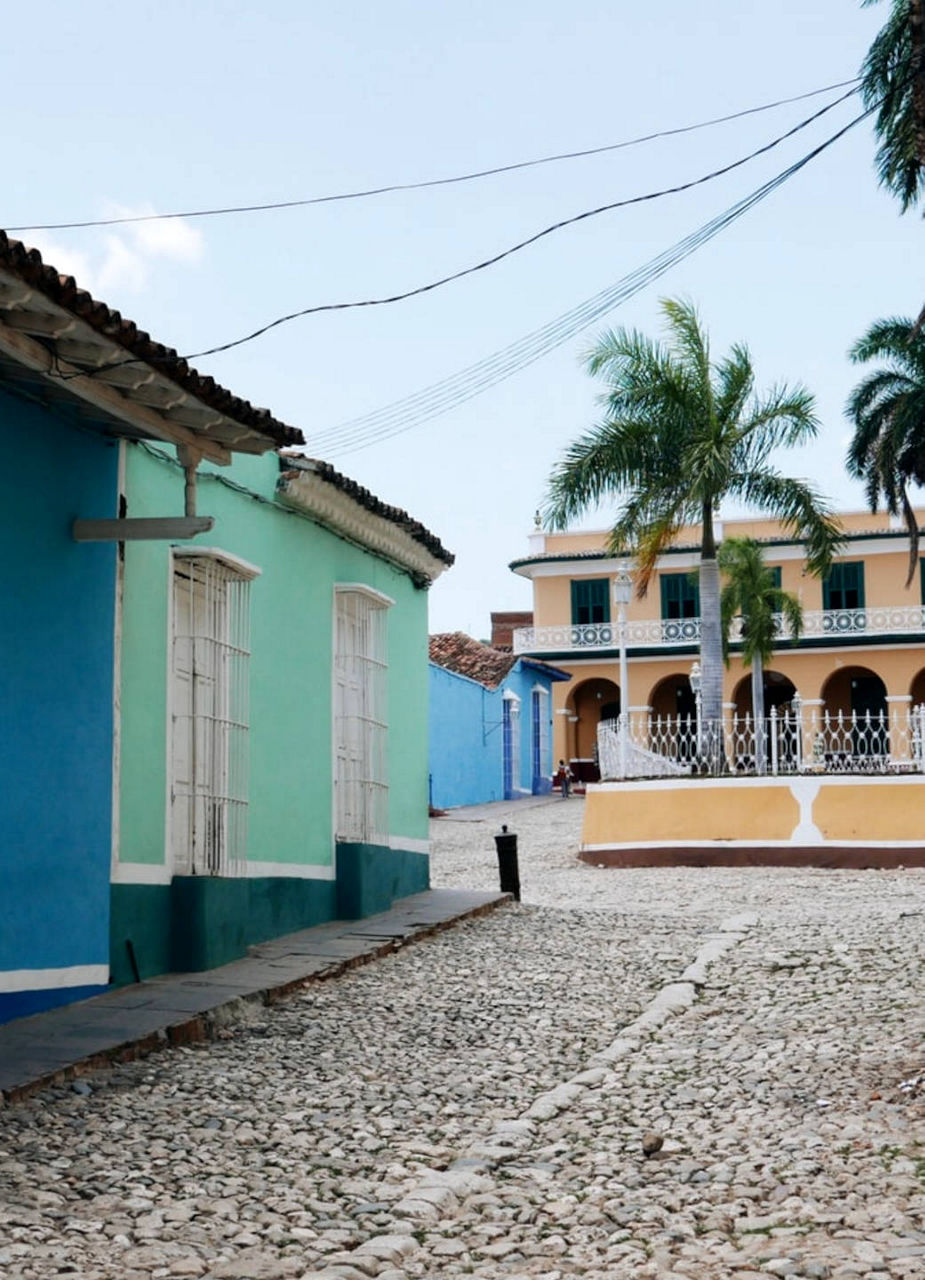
(563, 779)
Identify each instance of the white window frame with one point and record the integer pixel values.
(208, 712)
(510, 734)
(360, 727)
(541, 714)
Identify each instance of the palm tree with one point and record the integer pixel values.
(893, 82)
(751, 593)
(679, 434)
(887, 411)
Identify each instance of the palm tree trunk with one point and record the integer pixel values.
(761, 751)
(917, 47)
(711, 647)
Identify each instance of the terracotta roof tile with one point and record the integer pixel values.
(299, 461)
(467, 657)
(27, 265)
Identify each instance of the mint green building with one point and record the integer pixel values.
(271, 744)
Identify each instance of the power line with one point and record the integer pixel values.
(522, 244)
(439, 398)
(431, 182)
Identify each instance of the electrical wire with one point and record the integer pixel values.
(523, 244)
(402, 415)
(432, 182)
(174, 359)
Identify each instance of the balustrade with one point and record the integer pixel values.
(667, 632)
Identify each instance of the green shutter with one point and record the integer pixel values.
(680, 595)
(590, 601)
(775, 576)
(843, 586)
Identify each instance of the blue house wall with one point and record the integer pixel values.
(465, 740)
(467, 736)
(522, 680)
(56, 750)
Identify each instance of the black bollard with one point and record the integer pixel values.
(506, 844)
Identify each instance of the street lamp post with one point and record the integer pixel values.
(622, 593)
(696, 681)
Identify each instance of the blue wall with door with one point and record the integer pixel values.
(465, 740)
(470, 728)
(56, 750)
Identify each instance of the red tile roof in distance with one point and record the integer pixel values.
(458, 652)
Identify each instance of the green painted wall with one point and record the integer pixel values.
(200, 922)
(370, 878)
(291, 785)
(139, 914)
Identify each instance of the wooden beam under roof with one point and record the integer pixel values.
(34, 355)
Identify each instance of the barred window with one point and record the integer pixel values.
(542, 748)
(210, 661)
(361, 786)
(511, 743)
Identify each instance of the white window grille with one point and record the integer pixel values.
(361, 730)
(209, 712)
(794, 739)
(542, 743)
(511, 743)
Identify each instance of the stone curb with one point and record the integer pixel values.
(201, 1027)
(440, 1193)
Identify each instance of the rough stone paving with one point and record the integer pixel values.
(478, 1104)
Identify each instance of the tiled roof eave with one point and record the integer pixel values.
(353, 513)
(80, 349)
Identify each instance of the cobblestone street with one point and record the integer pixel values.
(478, 1104)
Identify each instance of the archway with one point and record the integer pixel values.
(673, 717)
(672, 697)
(855, 714)
(778, 693)
(917, 688)
(780, 730)
(589, 703)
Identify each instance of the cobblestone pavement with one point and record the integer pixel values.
(479, 1104)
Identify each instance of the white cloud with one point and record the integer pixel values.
(121, 268)
(121, 260)
(170, 238)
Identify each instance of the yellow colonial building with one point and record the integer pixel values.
(861, 654)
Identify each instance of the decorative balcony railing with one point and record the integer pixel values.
(668, 632)
(795, 739)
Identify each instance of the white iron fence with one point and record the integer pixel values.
(793, 739)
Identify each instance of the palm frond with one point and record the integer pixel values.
(800, 507)
(887, 85)
(892, 338)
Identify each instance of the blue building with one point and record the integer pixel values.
(76, 381)
(490, 722)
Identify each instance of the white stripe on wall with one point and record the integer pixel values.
(758, 842)
(406, 842)
(290, 870)
(141, 873)
(157, 873)
(79, 975)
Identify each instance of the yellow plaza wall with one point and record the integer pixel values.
(862, 821)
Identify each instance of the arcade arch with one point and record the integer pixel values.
(778, 693)
(672, 697)
(588, 704)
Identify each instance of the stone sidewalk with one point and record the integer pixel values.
(674, 1074)
(186, 1008)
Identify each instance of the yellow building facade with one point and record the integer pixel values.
(862, 649)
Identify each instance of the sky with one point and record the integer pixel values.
(177, 106)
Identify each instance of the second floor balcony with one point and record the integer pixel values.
(667, 633)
